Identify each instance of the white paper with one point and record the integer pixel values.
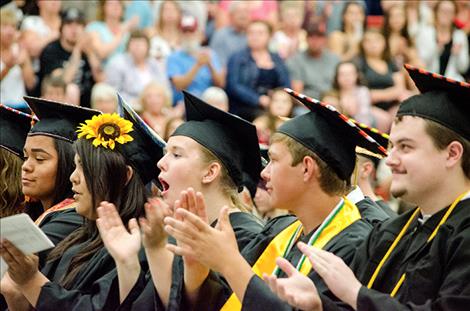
(22, 232)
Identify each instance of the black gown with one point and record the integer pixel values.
(95, 287)
(144, 296)
(215, 291)
(371, 211)
(386, 208)
(437, 273)
(57, 226)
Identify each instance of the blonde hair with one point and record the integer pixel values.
(102, 91)
(8, 17)
(227, 185)
(11, 196)
(159, 87)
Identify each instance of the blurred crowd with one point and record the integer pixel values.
(236, 55)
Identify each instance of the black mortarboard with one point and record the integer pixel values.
(14, 127)
(147, 147)
(232, 139)
(442, 100)
(56, 119)
(331, 135)
(378, 136)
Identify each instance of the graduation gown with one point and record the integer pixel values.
(215, 291)
(371, 211)
(386, 208)
(437, 273)
(246, 228)
(95, 287)
(57, 226)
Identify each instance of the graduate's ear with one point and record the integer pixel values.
(130, 172)
(212, 171)
(310, 169)
(366, 169)
(454, 154)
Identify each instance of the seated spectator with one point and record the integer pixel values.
(109, 35)
(103, 98)
(266, 10)
(142, 9)
(155, 103)
(193, 67)
(37, 31)
(73, 54)
(171, 126)
(312, 71)
(345, 42)
(442, 47)
(253, 71)
(401, 47)
(280, 107)
(216, 97)
(385, 81)
(165, 35)
(130, 72)
(54, 88)
(355, 98)
(17, 74)
(232, 38)
(290, 38)
(332, 98)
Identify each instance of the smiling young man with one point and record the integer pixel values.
(420, 260)
(311, 160)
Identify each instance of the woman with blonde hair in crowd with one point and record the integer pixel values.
(155, 102)
(165, 36)
(109, 34)
(290, 38)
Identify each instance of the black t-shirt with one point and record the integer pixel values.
(55, 56)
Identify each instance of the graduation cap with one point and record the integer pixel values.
(56, 119)
(442, 100)
(146, 148)
(232, 139)
(378, 136)
(331, 135)
(14, 128)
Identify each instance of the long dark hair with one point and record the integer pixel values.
(387, 31)
(360, 79)
(345, 9)
(105, 173)
(65, 167)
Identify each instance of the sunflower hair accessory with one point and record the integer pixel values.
(106, 129)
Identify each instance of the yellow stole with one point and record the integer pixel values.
(266, 263)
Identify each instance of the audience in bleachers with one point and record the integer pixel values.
(245, 48)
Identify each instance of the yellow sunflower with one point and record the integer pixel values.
(106, 129)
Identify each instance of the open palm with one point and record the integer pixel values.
(119, 242)
(296, 289)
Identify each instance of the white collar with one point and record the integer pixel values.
(356, 195)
